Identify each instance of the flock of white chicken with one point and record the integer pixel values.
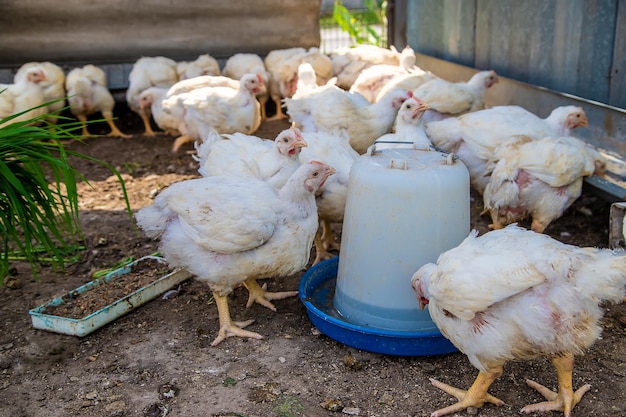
(260, 205)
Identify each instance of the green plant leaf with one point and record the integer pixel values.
(38, 192)
(358, 24)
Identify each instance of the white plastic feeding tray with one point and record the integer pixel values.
(84, 326)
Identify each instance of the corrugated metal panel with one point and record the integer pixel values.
(444, 29)
(573, 46)
(618, 72)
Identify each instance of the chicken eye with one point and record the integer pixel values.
(316, 173)
(408, 106)
(285, 140)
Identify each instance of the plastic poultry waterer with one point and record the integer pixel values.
(404, 207)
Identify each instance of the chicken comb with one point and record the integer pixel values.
(410, 93)
(296, 132)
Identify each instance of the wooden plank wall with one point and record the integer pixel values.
(115, 33)
(572, 46)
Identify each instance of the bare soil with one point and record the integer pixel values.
(158, 360)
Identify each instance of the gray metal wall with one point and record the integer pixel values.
(117, 32)
(571, 46)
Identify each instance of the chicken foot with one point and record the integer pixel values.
(115, 131)
(108, 117)
(228, 327)
(475, 396)
(257, 294)
(566, 398)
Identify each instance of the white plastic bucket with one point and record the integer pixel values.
(404, 207)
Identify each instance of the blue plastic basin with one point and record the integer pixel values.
(317, 290)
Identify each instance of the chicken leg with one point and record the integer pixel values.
(83, 122)
(259, 295)
(279, 110)
(320, 252)
(328, 237)
(324, 242)
(263, 99)
(108, 116)
(146, 122)
(180, 141)
(566, 398)
(475, 396)
(228, 327)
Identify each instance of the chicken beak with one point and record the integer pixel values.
(420, 109)
(328, 171)
(296, 146)
(300, 144)
(583, 122)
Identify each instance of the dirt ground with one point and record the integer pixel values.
(158, 359)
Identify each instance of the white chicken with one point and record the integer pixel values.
(282, 64)
(203, 65)
(307, 82)
(88, 94)
(408, 128)
(185, 86)
(409, 82)
(371, 80)
(475, 136)
(23, 96)
(149, 72)
(241, 64)
(539, 178)
(282, 82)
(222, 109)
(53, 86)
(513, 294)
(166, 105)
(233, 230)
(249, 156)
(335, 150)
(348, 63)
(152, 100)
(334, 110)
(447, 99)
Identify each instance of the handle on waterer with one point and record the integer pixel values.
(398, 164)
